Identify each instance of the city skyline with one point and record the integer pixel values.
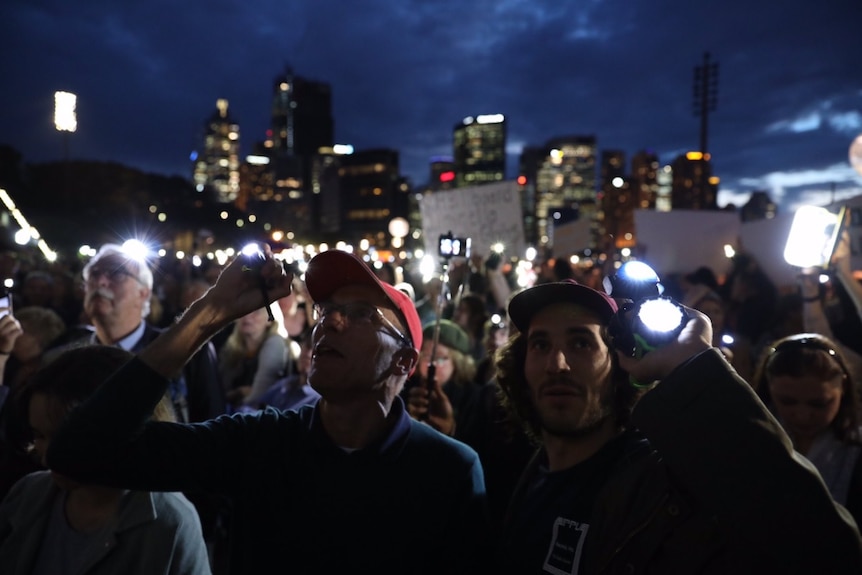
(147, 77)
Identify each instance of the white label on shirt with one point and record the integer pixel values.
(567, 542)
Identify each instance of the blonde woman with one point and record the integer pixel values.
(254, 356)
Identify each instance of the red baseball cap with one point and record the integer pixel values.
(332, 269)
(524, 305)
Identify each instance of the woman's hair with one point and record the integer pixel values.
(514, 393)
(42, 323)
(73, 377)
(465, 367)
(813, 355)
(234, 349)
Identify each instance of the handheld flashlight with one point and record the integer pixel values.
(647, 320)
(253, 261)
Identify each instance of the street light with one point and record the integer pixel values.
(65, 119)
(66, 122)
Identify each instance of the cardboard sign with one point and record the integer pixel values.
(486, 214)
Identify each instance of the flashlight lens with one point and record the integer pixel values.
(660, 315)
(638, 271)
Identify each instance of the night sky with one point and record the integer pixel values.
(403, 72)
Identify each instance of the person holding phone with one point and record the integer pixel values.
(690, 475)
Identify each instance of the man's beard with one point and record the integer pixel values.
(591, 419)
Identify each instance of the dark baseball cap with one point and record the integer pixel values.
(524, 305)
(333, 269)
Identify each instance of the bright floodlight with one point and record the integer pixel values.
(65, 119)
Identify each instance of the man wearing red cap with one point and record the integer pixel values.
(693, 476)
(352, 484)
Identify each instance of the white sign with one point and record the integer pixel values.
(486, 214)
(681, 241)
(572, 237)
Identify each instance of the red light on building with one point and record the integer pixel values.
(447, 176)
(522, 180)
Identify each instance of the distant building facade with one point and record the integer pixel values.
(618, 202)
(479, 150)
(693, 187)
(302, 121)
(758, 207)
(559, 182)
(217, 166)
(372, 193)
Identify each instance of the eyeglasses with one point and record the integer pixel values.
(114, 275)
(359, 313)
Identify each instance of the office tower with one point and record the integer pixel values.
(372, 193)
(616, 217)
(565, 182)
(644, 179)
(302, 120)
(664, 181)
(216, 169)
(479, 150)
(694, 187)
(255, 181)
(528, 168)
(442, 173)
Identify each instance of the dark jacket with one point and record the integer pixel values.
(412, 503)
(205, 396)
(202, 397)
(717, 488)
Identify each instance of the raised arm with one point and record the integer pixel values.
(727, 452)
(237, 292)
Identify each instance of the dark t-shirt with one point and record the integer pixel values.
(549, 519)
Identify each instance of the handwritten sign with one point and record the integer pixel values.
(486, 214)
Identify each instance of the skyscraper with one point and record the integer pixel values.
(372, 192)
(442, 173)
(618, 203)
(216, 169)
(644, 179)
(479, 150)
(694, 187)
(302, 120)
(565, 180)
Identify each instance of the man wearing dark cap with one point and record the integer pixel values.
(350, 485)
(692, 476)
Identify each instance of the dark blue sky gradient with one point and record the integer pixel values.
(404, 71)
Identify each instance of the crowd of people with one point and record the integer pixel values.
(236, 417)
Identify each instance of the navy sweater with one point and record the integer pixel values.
(413, 503)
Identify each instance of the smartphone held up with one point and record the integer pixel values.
(5, 304)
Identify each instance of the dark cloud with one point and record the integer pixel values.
(404, 71)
